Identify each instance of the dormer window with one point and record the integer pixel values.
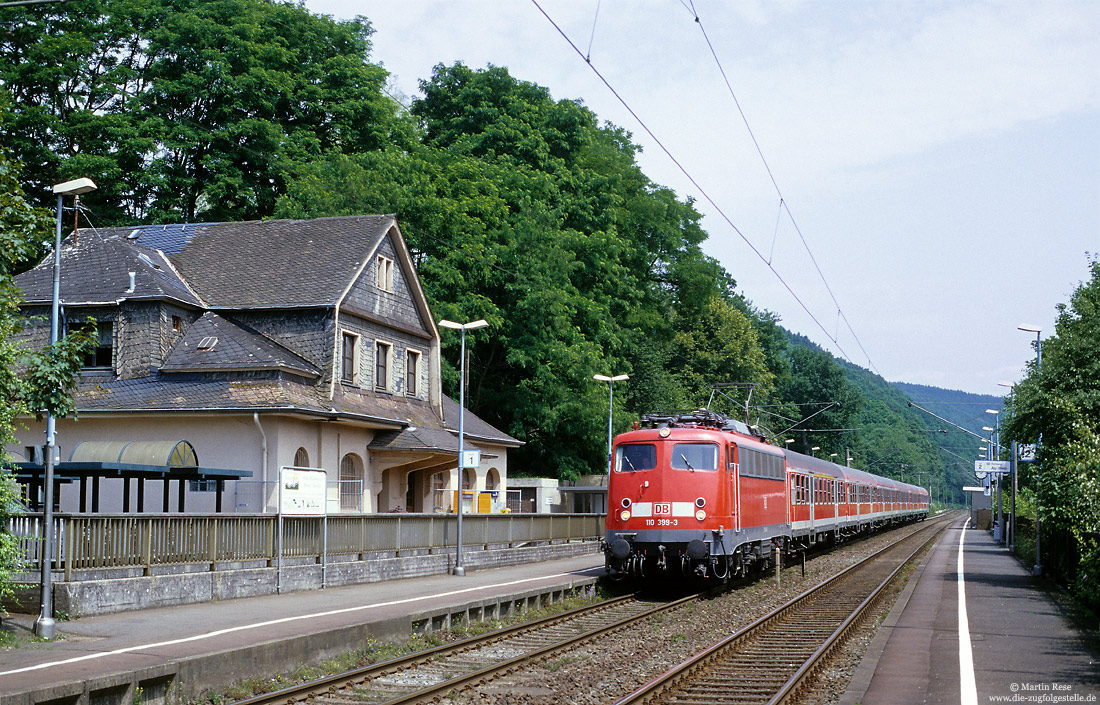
(385, 273)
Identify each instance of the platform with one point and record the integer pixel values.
(189, 648)
(1022, 648)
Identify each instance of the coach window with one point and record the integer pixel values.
(632, 457)
(694, 456)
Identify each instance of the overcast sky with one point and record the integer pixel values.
(941, 160)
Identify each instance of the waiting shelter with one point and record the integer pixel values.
(92, 461)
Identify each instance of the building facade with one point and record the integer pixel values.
(265, 345)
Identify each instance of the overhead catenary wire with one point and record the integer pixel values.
(702, 191)
(783, 204)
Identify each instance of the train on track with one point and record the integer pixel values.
(698, 494)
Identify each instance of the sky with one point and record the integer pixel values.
(903, 182)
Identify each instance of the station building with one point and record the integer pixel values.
(227, 351)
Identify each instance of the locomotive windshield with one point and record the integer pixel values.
(695, 456)
(632, 457)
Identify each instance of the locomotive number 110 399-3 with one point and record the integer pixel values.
(662, 522)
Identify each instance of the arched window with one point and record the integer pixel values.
(351, 483)
(492, 480)
(301, 458)
(469, 479)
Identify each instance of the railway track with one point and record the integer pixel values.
(428, 674)
(771, 656)
(771, 659)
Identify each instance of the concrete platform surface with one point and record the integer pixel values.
(1015, 646)
(93, 651)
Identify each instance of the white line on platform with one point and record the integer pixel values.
(257, 625)
(968, 690)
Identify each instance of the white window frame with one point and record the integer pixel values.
(346, 335)
(383, 385)
(385, 273)
(415, 375)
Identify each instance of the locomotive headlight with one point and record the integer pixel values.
(700, 502)
(624, 514)
(625, 502)
(663, 433)
(700, 515)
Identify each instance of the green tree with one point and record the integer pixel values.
(187, 109)
(31, 382)
(818, 387)
(1060, 403)
(524, 211)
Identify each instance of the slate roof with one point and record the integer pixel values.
(278, 263)
(97, 271)
(218, 392)
(226, 267)
(256, 264)
(473, 426)
(235, 347)
(416, 438)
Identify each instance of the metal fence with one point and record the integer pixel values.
(217, 541)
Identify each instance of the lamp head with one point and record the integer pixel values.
(74, 187)
(1030, 328)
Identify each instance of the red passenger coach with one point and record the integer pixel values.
(698, 494)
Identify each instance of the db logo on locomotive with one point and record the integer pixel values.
(662, 508)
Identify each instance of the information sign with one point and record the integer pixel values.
(1025, 452)
(302, 492)
(471, 459)
(992, 467)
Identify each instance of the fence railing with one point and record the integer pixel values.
(103, 542)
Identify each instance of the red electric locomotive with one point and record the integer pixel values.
(698, 494)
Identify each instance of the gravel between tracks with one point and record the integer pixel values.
(607, 669)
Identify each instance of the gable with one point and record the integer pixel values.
(384, 291)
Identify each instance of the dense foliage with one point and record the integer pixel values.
(1059, 405)
(519, 208)
(184, 110)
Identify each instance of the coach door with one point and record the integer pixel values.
(733, 486)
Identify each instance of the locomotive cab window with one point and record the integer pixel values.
(632, 457)
(694, 456)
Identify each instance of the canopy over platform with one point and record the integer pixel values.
(130, 460)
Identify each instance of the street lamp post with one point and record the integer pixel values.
(995, 454)
(610, 408)
(459, 569)
(44, 627)
(1038, 569)
(813, 451)
(1012, 465)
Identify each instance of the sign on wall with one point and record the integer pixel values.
(302, 492)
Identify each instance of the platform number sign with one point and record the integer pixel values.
(1026, 452)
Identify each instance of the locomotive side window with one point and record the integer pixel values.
(632, 457)
(696, 456)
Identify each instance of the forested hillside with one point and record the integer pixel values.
(520, 207)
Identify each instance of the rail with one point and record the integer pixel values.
(146, 542)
